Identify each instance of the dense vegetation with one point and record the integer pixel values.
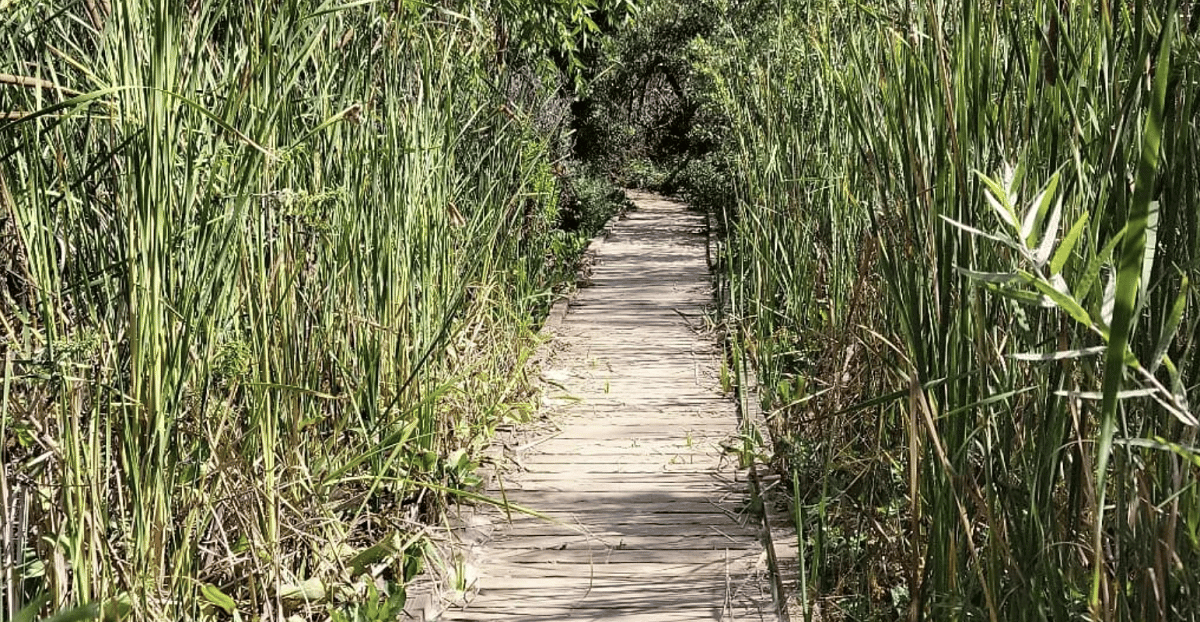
(272, 271)
(961, 246)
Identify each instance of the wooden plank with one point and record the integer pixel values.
(613, 532)
(677, 614)
(606, 427)
(644, 492)
(704, 478)
(619, 605)
(713, 558)
(652, 574)
(580, 615)
(629, 542)
(695, 520)
(581, 509)
(621, 445)
(621, 597)
(608, 405)
(547, 460)
(649, 520)
(597, 584)
(662, 498)
(607, 469)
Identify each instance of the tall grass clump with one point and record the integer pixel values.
(963, 257)
(272, 271)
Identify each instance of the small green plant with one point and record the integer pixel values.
(384, 604)
(589, 200)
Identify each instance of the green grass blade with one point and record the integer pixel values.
(1132, 256)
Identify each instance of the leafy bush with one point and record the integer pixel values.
(643, 173)
(707, 183)
(589, 200)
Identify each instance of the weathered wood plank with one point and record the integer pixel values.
(615, 531)
(600, 489)
(596, 615)
(694, 521)
(547, 461)
(706, 478)
(712, 558)
(630, 542)
(649, 509)
(651, 574)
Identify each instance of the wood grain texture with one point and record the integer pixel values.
(651, 520)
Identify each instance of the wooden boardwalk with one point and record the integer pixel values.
(652, 518)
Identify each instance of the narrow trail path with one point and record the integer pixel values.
(652, 513)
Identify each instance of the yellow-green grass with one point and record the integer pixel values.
(272, 264)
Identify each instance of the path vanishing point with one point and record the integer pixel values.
(652, 519)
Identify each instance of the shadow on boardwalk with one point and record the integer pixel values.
(650, 518)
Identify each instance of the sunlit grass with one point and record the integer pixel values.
(932, 363)
(275, 263)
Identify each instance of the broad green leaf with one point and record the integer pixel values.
(1013, 177)
(413, 564)
(1108, 303)
(1025, 297)
(1129, 272)
(1058, 356)
(1180, 414)
(983, 234)
(1178, 390)
(1000, 278)
(1030, 220)
(1066, 302)
(1068, 245)
(1037, 210)
(117, 608)
(1060, 284)
(1148, 254)
(997, 197)
(309, 590)
(388, 545)
(1191, 454)
(75, 614)
(1048, 238)
(214, 595)
(1099, 395)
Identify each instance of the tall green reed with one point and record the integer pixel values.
(935, 203)
(277, 262)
